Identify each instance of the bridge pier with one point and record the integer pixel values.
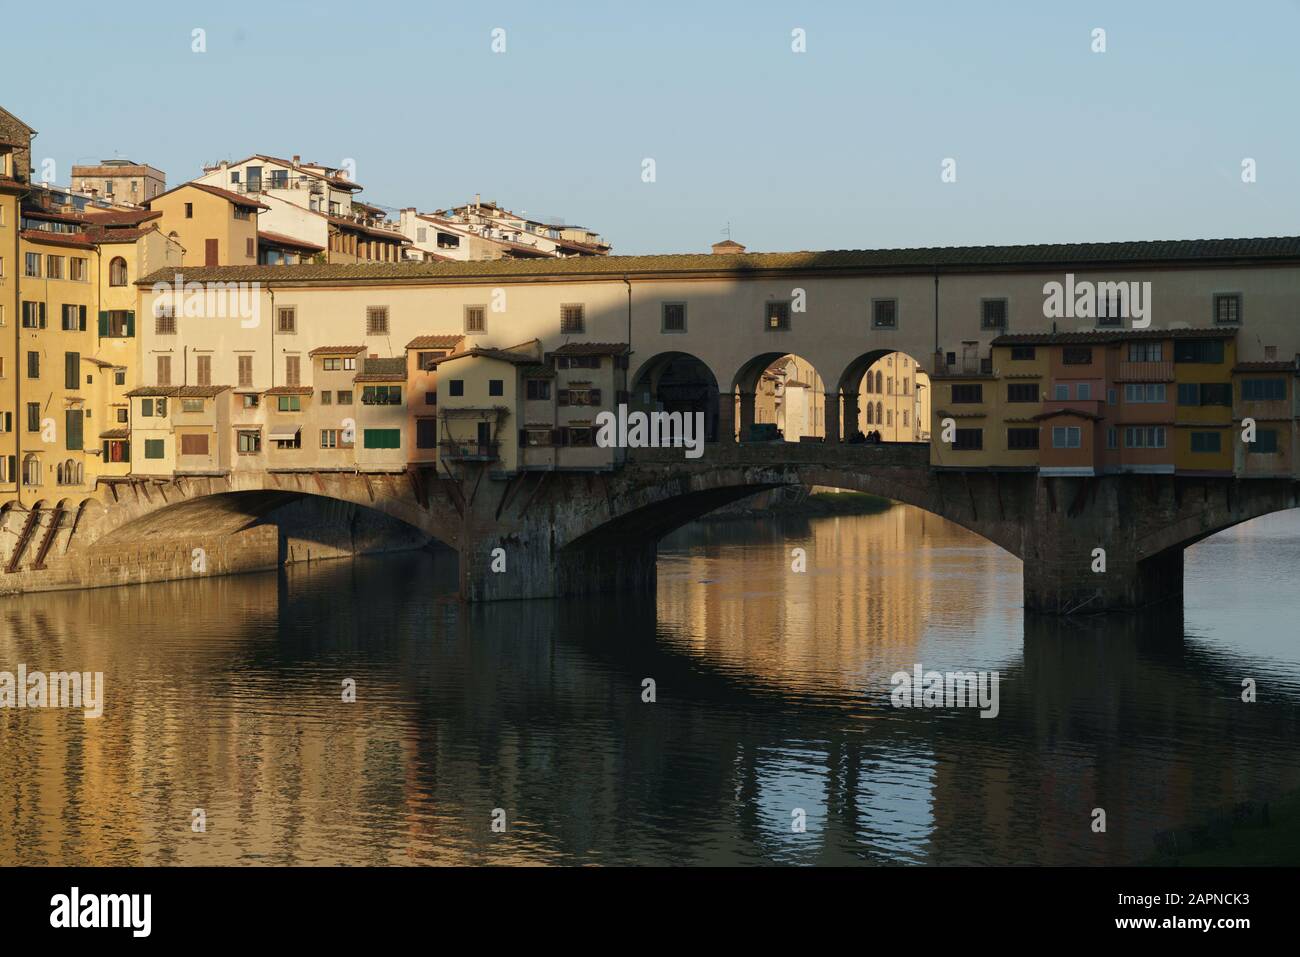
(516, 567)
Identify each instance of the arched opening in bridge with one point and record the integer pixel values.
(778, 396)
(309, 527)
(885, 396)
(678, 382)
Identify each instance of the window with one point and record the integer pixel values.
(1144, 352)
(291, 443)
(189, 210)
(53, 267)
(1263, 390)
(1022, 392)
(1148, 437)
(286, 320)
(1198, 350)
(345, 397)
(71, 370)
(32, 265)
(33, 315)
(31, 470)
(457, 386)
(164, 323)
(382, 439)
(249, 442)
(1206, 442)
(1018, 354)
(777, 316)
(153, 448)
(537, 389)
(377, 320)
(674, 317)
(968, 440)
(70, 317)
(1216, 393)
(967, 393)
(33, 365)
(1111, 304)
(326, 397)
(993, 314)
(581, 437)
(475, 320)
(292, 368)
(884, 314)
(77, 269)
(33, 416)
(191, 405)
(1022, 438)
(496, 387)
(1085, 391)
(1145, 392)
(122, 416)
(72, 420)
(536, 437)
(1227, 308)
(329, 438)
(1265, 443)
(573, 320)
(1066, 437)
(288, 403)
(245, 372)
(164, 370)
(426, 433)
(1112, 438)
(381, 395)
(1076, 356)
(203, 370)
(194, 444)
(117, 324)
(117, 271)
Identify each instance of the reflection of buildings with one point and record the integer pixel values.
(894, 400)
(790, 395)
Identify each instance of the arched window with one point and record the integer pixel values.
(117, 272)
(880, 413)
(889, 417)
(871, 414)
(871, 383)
(31, 470)
(879, 379)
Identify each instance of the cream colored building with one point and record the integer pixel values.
(120, 181)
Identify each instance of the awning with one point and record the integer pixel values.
(284, 433)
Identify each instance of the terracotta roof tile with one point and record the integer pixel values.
(447, 341)
(336, 350)
(831, 262)
(591, 349)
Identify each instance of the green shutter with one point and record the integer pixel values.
(73, 423)
(130, 324)
(81, 318)
(103, 323)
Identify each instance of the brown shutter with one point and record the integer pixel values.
(210, 253)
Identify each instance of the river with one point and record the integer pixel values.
(225, 738)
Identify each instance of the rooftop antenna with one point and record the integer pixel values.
(727, 231)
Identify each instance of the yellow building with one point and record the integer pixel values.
(894, 400)
(214, 226)
(1204, 437)
(56, 346)
(1266, 393)
(15, 141)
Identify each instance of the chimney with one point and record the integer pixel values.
(727, 247)
(296, 160)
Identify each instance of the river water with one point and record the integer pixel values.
(771, 706)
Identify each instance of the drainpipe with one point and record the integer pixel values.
(936, 319)
(626, 384)
(19, 424)
(271, 292)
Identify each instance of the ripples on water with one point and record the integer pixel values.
(772, 694)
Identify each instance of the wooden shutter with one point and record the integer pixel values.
(103, 323)
(210, 256)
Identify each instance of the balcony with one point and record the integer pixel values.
(469, 451)
(1145, 372)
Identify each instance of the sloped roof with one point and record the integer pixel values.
(1196, 252)
(445, 341)
(215, 191)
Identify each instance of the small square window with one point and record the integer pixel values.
(457, 386)
(884, 313)
(1227, 308)
(993, 314)
(777, 316)
(496, 387)
(674, 317)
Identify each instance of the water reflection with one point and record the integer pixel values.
(772, 695)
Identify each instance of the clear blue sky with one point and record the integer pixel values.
(838, 147)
